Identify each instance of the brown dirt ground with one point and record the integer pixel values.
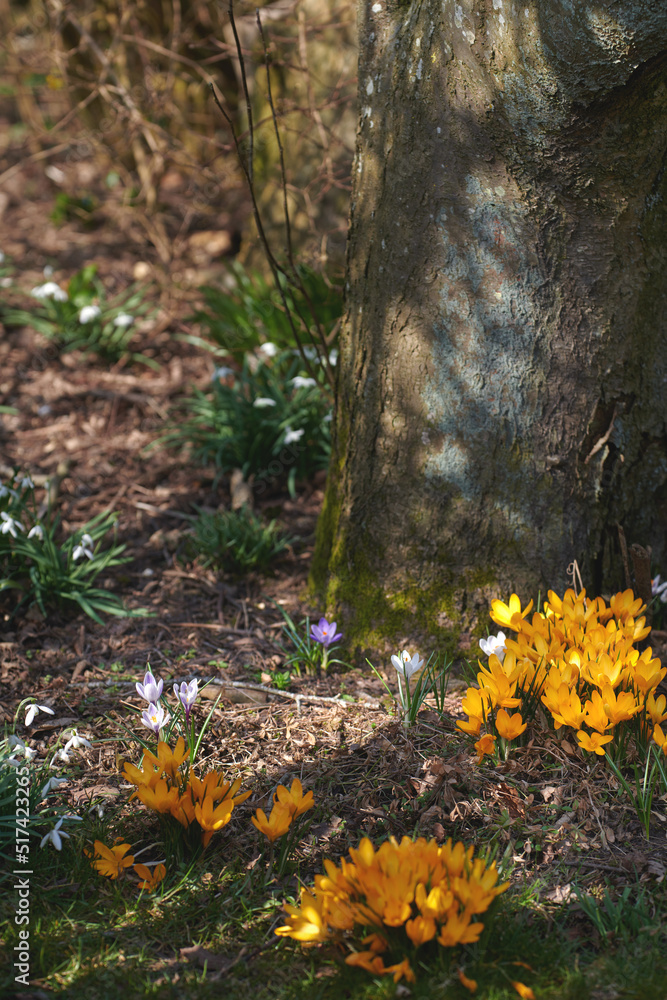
(550, 809)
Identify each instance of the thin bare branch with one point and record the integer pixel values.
(246, 93)
(276, 269)
(296, 277)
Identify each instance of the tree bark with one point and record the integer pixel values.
(503, 373)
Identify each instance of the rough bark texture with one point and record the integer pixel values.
(503, 377)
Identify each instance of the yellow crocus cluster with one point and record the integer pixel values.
(395, 898)
(162, 785)
(578, 657)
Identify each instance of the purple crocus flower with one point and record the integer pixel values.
(154, 717)
(187, 695)
(325, 633)
(151, 689)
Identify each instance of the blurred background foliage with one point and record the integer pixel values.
(126, 86)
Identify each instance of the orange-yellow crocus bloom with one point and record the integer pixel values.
(308, 921)
(184, 809)
(420, 930)
(150, 879)
(647, 671)
(660, 739)
(367, 960)
(146, 777)
(655, 708)
(459, 930)
(470, 984)
(477, 702)
(509, 614)
(567, 710)
(294, 799)
(435, 904)
(276, 825)
(168, 760)
(211, 817)
(596, 716)
(619, 707)
(509, 728)
(471, 725)
(626, 605)
(498, 684)
(485, 745)
(109, 861)
(162, 798)
(593, 742)
(524, 991)
(401, 969)
(603, 671)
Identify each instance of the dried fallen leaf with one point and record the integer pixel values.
(559, 894)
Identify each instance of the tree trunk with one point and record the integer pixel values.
(503, 374)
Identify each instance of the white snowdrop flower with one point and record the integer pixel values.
(97, 808)
(222, 372)
(123, 319)
(310, 352)
(55, 836)
(9, 524)
(89, 313)
(328, 418)
(49, 290)
(48, 271)
(6, 282)
(29, 753)
(75, 741)
(5, 491)
(494, 644)
(24, 483)
(268, 350)
(12, 761)
(37, 531)
(52, 785)
(659, 588)
(291, 436)
(301, 382)
(61, 756)
(84, 548)
(15, 741)
(2, 257)
(333, 356)
(34, 710)
(262, 402)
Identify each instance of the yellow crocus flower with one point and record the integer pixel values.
(294, 799)
(596, 716)
(660, 739)
(509, 614)
(619, 707)
(593, 742)
(162, 798)
(150, 879)
(110, 861)
(168, 760)
(276, 825)
(509, 728)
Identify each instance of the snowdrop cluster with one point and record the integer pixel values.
(50, 290)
